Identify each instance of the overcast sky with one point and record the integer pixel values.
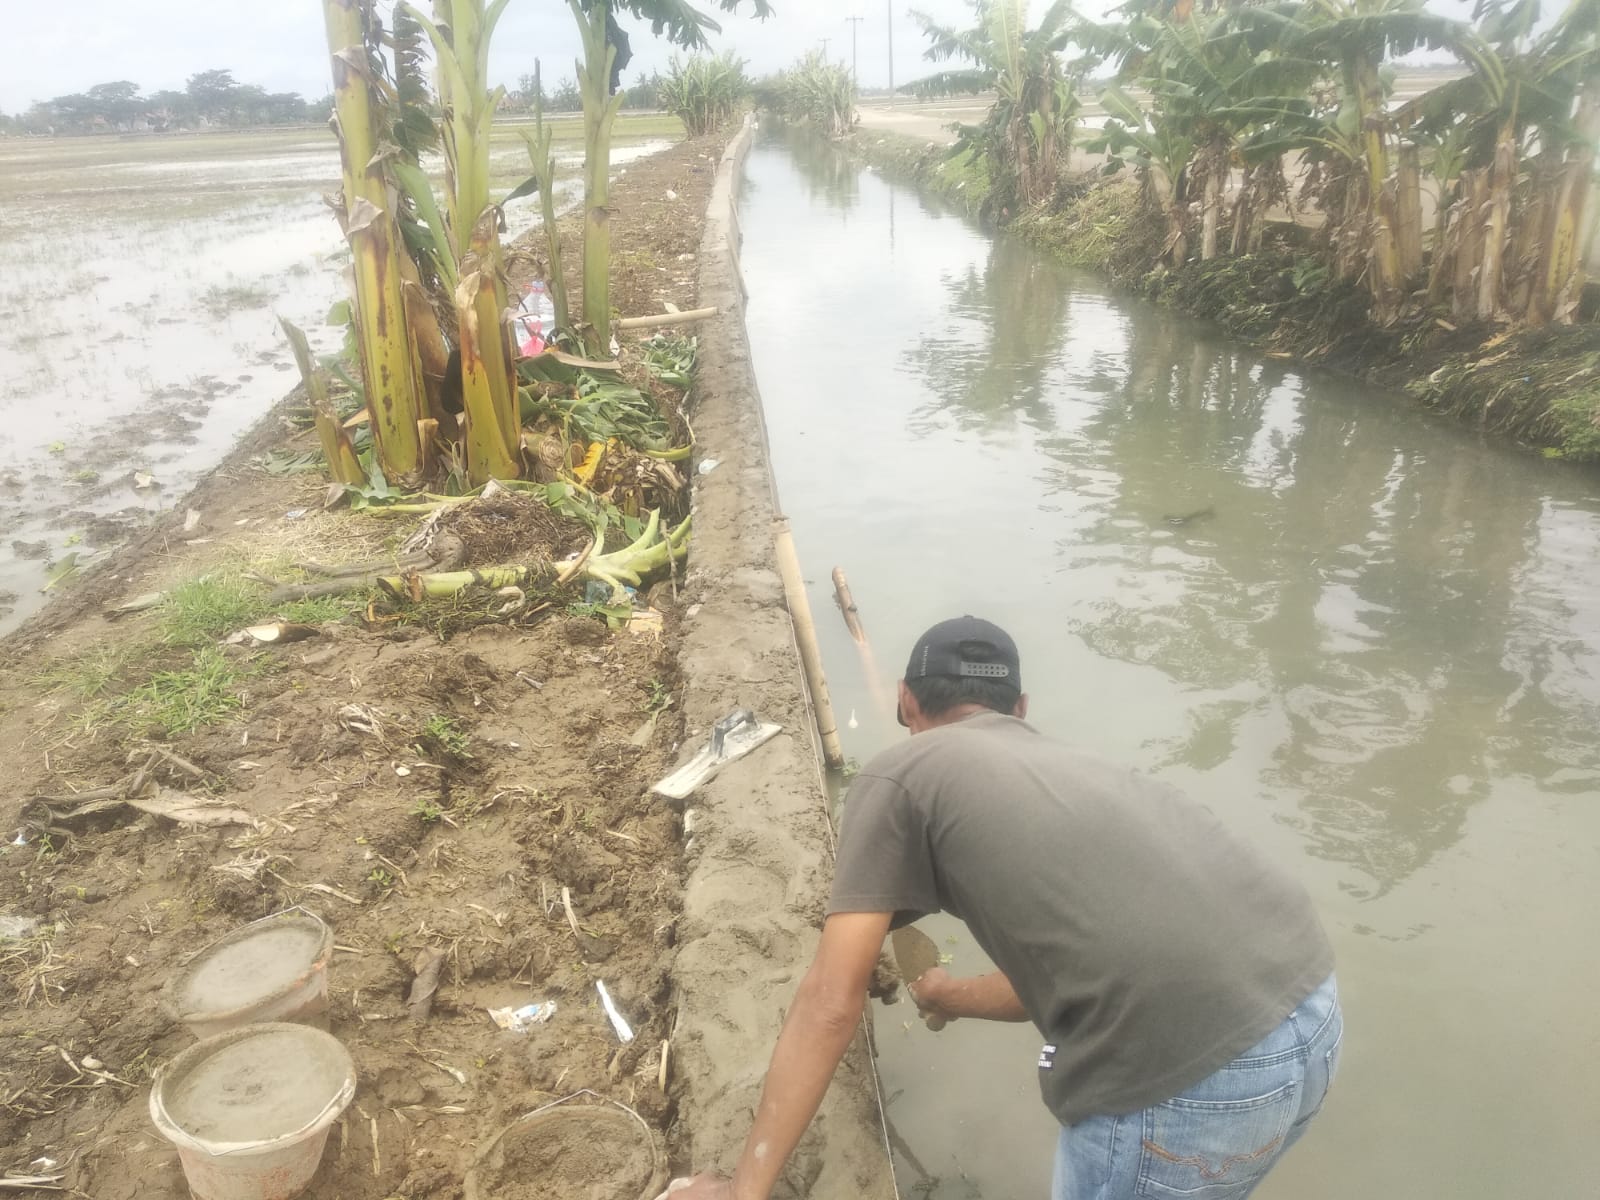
(281, 45)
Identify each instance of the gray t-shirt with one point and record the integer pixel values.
(1148, 944)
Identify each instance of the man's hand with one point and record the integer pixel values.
(990, 997)
(702, 1187)
(929, 992)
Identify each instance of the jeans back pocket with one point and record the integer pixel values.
(1214, 1149)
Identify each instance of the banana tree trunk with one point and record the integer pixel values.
(1408, 205)
(1497, 219)
(1211, 208)
(1447, 228)
(1176, 248)
(488, 389)
(599, 115)
(1384, 257)
(1558, 281)
(390, 366)
(1469, 245)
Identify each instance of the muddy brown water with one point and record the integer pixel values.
(139, 301)
(1375, 649)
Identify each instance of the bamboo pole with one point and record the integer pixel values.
(805, 636)
(677, 318)
(847, 606)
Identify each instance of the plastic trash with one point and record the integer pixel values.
(520, 1020)
(618, 1021)
(18, 927)
(734, 736)
(535, 320)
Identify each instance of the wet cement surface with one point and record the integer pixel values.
(1373, 646)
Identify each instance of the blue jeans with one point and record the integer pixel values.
(1216, 1140)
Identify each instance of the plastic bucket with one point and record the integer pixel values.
(249, 1111)
(274, 969)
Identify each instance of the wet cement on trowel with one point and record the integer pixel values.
(258, 1087)
(253, 968)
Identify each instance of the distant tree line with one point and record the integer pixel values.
(211, 99)
(644, 92)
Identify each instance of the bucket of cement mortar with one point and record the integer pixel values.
(570, 1150)
(250, 1110)
(274, 969)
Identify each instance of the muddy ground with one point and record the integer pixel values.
(417, 791)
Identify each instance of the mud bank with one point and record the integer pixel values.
(760, 844)
(1539, 387)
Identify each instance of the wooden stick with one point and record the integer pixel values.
(677, 318)
(566, 903)
(805, 636)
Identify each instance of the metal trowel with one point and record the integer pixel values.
(915, 954)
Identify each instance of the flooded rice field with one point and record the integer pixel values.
(1366, 638)
(143, 278)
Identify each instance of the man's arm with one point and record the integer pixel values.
(821, 1021)
(982, 997)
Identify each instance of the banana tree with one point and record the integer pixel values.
(605, 52)
(1027, 133)
(1159, 152)
(1520, 131)
(1218, 82)
(464, 246)
(1355, 38)
(391, 365)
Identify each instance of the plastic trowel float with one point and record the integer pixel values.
(738, 733)
(914, 955)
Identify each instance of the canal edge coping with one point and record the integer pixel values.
(759, 840)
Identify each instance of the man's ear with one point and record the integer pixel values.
(1020, 710)
(908, 710)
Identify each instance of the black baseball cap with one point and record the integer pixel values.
(966, 648)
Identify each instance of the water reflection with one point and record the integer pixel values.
(987, 363)
(1367, 591)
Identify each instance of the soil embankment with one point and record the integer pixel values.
(464, 790)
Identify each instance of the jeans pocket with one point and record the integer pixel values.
(1214, 1149)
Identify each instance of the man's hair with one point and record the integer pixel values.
(938, 694)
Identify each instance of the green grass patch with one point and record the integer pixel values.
(178, 701)
(442, 734)
(89, 675)
(964, 178)
(320, 610)
(209, 608)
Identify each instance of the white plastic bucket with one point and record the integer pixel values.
(249, 1111)
(274, 969)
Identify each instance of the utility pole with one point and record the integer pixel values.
(825, 42)
(855, 26)
(889, 7)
